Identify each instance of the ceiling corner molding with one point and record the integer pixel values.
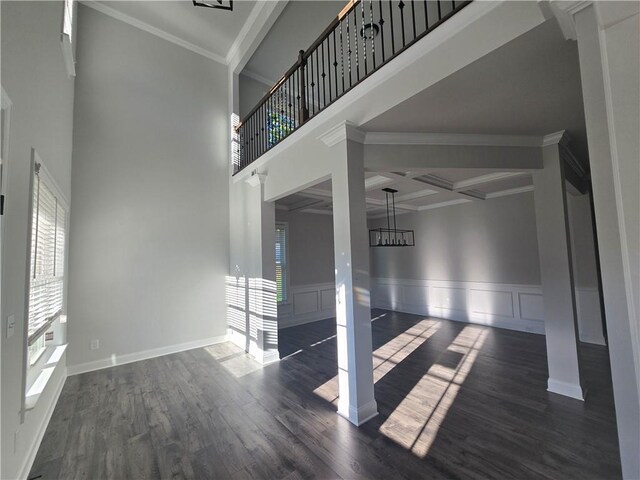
(134, 22)
(555, 138)
(258, 78)
(451, 139)
(511, 191)
(342, 131)
(262, 17)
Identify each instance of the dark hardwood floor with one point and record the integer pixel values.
(455, 401)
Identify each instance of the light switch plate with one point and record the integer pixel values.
(11, 325)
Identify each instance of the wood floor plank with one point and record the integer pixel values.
(455, 401)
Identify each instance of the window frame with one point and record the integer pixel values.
(69, 7)
(33, 366)
(286, 270)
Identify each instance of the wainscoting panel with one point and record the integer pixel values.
(308, 303)
(498, 305)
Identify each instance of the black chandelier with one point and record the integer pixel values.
(391, 237)
(228, 5)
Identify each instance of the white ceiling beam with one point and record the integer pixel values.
(484, 179)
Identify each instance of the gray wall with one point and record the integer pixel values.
(490, 241)
(584, 253)
(310, 247)
(251, 92)
(35, 78)
(149, 221)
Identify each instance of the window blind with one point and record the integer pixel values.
(281, 263)
(48, 233)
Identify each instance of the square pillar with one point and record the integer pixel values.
(554, 249)
(353, 304)
(608, 35)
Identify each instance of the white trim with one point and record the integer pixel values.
(443, 204)
(258, 78)
(464, 139)
(316, 211)
(555, 138)
(359, 415)
(252, 33)
(290, 316)
(340, 132)
(482, 179)
(28, 463)
(567, 389)
(511, 191)
(134, 22)
(256, 179)
(464, 301)
(143, 355)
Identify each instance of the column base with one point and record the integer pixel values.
(359, 416)
(567, 389)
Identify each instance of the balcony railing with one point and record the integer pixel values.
(364, 36)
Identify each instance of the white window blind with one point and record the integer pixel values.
(282, 269)
(48, 233)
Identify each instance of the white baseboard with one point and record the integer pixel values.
(144, 355)
(567, 389)
(33, 449)
(359, 416)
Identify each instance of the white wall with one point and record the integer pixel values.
(585, 269)
(490, 241)
(34, 77)
(311, 269)
(310, 247)
(251, 92)
(478, 262)
(150, 213)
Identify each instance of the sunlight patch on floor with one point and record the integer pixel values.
(387, 356)
(415, 422)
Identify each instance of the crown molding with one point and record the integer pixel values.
(556, 138)
(342, 131)
(511, 191)
(491, 177)
(258, 78)
(134, 22)
(444, 204)
(451, 139)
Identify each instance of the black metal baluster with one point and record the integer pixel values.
(401, 7)
(426, 15)
(355, 41)
(335, 62)
(413, 18)
(329, 67)
(373, 37)
(439, 10)
(312, 84)
(324, 75)
(364, 36)
(381, 23)
(393, 37)
(349, 51)
(317, 52)
(342, 55)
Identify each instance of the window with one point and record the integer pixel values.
(282, 267)
(67, 34)
(67, 25)
(46, 271)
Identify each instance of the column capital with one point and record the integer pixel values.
(256, 179)
(342, 131)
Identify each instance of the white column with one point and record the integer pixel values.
(353, 307)
(262, 305)
(608, 36)
(554, 249)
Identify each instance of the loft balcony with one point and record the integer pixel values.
(365, 35)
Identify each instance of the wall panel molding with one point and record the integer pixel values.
(308, 303)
